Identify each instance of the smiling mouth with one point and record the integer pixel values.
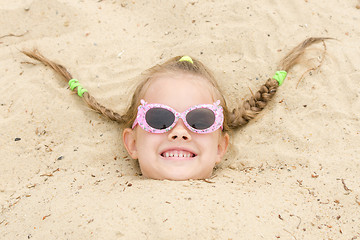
(177, 154)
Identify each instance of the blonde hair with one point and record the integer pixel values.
(234, 119)
(174, 66)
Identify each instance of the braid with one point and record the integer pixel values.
(251, 107)
(90, 100)
(233, 120)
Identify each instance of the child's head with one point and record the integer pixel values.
(180, 153)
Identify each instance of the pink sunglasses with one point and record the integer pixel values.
(159, 118)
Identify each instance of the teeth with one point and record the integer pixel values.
(178, 154)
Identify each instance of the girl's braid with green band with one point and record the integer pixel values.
(73, 83)
(236, 117)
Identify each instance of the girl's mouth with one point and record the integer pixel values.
(177, 154)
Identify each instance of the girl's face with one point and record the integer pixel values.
(180, 92)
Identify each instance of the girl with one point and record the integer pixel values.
(177, 123)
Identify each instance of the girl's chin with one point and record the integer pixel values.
(180, 176)
(177, 169)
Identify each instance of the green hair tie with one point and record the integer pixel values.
(280, 77)
(186, 59)
(73, 83)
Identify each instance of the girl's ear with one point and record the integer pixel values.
(129, 141)
(222, 146)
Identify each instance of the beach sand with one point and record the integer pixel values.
(292, 173)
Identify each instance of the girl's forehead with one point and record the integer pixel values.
(179, 91)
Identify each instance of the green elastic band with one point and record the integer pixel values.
(280, 77)
(73, 83)
(187, 59)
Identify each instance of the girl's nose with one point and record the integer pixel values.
(179, 132)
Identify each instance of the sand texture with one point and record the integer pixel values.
(292, 173)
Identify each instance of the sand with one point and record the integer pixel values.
(292, 173)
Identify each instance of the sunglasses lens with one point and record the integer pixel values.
(201, 118)
(159, 118)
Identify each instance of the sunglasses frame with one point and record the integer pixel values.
(144, 107)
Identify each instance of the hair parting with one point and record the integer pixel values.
(234, 119)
